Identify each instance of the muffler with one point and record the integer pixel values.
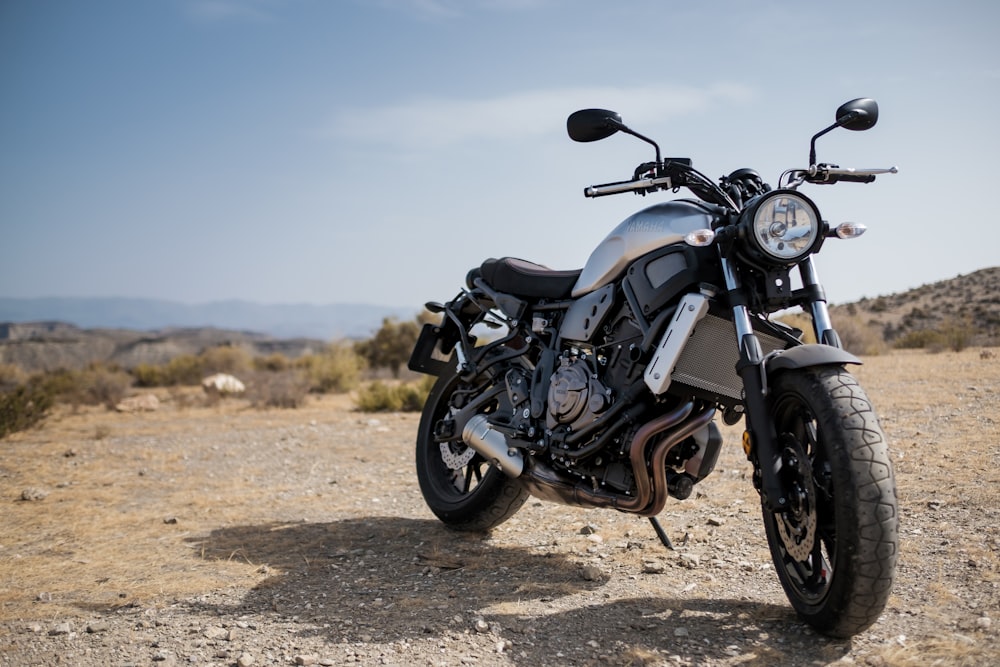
(492, 445)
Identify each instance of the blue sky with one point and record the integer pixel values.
(372, 151)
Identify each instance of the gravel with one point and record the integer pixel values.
(224, 536)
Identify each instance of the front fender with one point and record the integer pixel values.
(803, 356)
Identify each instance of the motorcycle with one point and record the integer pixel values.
(600, 387)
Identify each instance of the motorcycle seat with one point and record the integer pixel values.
(524, 279)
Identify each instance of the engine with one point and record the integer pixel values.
(576, 397)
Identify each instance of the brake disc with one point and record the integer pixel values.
(456, 459)
(797, 525)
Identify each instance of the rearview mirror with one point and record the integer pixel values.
(857, 115)
(593, 124)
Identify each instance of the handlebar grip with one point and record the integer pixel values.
(852, 178)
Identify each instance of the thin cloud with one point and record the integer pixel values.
(211, 11)
(435, 122)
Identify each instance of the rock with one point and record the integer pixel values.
(481, 626)
(222, 384)
(690, 561)
(214, 632)
(681, 632)
(591, 573)
(97, 626)
(716, 521)
(33, 495)
(140, 403)
(589, 529)
(245, 660)
(653, 567)
(60, 629)
(984, 622)
(306, 659)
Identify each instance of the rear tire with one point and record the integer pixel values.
(459, 486)
(835, 549)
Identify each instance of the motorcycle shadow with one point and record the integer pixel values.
(389, 579)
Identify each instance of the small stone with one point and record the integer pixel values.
(984, 622)
(481, 626)
(245, 660)
(690, 561)
(653, 567)
(310, 659)
(681, 632)
(60, 629)
(97, 626)
(170, 520)
(44, 596)
(214, 632)
(33, 494)
(140, 403)
(591, 573)
(589, 529)
(716, 521)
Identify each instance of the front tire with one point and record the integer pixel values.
(459, 486)
(835, 549)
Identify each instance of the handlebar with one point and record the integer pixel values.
(828, 174)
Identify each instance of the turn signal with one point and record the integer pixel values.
(747, 443)
(700, 238)
(850, 230)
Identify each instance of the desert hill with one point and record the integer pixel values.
(968, 303)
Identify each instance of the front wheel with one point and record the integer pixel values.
(835, 547)
(460, 487)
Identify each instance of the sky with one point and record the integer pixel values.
(372, 151)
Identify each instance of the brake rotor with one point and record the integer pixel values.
(797, 525)
(455, 460)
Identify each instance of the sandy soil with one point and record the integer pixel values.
(222, 535)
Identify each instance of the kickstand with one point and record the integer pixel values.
(662, 534)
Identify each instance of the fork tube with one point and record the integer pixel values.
(758, 419)
(822, 324)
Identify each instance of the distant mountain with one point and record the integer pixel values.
(326, 322)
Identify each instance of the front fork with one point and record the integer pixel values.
(751, 369)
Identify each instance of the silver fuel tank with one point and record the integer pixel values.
(651, 228)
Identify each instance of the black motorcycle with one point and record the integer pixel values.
(600, 387)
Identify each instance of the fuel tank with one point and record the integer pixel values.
(651, 228)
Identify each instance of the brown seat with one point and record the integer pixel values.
(525, 279)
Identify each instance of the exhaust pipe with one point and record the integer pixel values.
(492, 445)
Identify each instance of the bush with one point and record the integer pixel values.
(381, 397)
(95, 385)
(23, 407)
(224, 359)
(859, 337)
(338, 369)
(391, 345)
(186, 370)
(283, 389)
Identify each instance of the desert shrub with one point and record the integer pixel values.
(224, 359)
(391, 345)
(105, 386)
(336, 369)
(859, 337)
(11, 376)
(919, 339)
(95, 385)
(281, 389)
(23, 406)
(382, 397)
(272, 363)
(186, 369)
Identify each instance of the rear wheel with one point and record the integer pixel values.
(835, 547)
(459, 486)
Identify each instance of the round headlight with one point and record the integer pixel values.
(785, 226)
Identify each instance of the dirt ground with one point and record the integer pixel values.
(222, 535)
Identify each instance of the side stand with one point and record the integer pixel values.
(661, 533)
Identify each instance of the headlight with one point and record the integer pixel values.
(785, 227)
